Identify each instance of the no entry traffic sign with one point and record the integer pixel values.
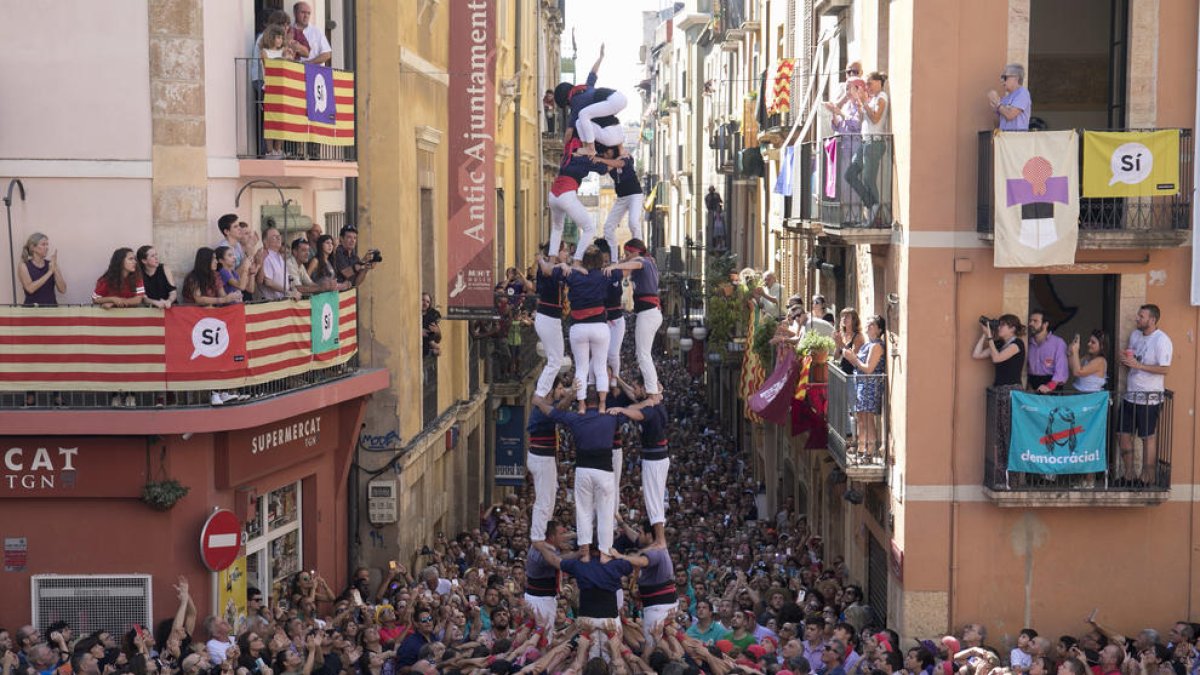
(220, 540)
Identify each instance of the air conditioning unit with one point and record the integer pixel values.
(272, 214)
(112, 603)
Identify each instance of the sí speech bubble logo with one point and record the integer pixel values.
(320, 92)
(327, 322)
(1131, 164)
(210, 338)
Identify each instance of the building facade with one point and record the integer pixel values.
(113, 457)
(431, 438)
(938, 532)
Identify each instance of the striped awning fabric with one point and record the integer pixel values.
(285, 106)
(95, 349)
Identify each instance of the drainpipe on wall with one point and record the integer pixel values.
(1195, 301)
(518, 212)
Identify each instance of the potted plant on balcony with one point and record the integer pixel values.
(817, 346)
(762, 341)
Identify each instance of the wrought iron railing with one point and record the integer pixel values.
(845, 392)
(1165, 213)
(1147, 411)
(850, 181)
(507, 362)
(250, 141)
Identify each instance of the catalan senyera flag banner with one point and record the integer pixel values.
(1036, 197)
(300, 99)
(781, 101)
(1131, 163)
(96, 349)
(753, 372)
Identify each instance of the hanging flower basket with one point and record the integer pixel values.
(162, 495)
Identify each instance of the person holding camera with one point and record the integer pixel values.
(1001, 343)
(347, 264)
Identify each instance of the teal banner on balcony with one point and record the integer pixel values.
(1058, 434)
(324, 322)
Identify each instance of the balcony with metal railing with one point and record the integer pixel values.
(510, 356)
(1108, 222)
(74, 358)
(1136, 466)
(293, 122)
(848, 187)
(861, 452)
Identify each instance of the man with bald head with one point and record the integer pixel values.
(309, 35)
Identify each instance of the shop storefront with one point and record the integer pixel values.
(78, 533)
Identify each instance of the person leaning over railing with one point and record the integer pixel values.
(157, 279)
(203, 286)
(297, 270)
(236, 277)
(121, 284)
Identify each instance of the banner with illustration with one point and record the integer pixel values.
(1131, 163)
(1058, 434)
(1036, 197)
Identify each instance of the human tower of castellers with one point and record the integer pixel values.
(593, 403)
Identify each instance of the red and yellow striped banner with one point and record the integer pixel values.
(285, 106)
(753, 372)
(96, 349)
(782, 100)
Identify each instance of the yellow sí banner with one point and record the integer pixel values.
(1130, 163)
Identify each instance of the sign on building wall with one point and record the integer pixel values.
(510, 445)
(472, 127)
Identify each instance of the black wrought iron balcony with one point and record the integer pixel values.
(1109, 222)
(848, 187)
(1137, 474)
(858, 440)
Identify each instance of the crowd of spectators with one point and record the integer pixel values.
(242, 266)
(756, 595)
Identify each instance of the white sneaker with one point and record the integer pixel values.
(130, 401)
(116, 401)
(217, 399)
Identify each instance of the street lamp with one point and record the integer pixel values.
(8, 211)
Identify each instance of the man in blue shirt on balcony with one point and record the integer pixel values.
(1047, 354)
(1012, 109)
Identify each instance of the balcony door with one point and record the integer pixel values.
(1069, 303)
(1078, 62)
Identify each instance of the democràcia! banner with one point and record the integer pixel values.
(1058, 434)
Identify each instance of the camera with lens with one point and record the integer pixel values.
(373, 256)
(992, 324)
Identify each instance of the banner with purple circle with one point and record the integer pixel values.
(318, 81)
